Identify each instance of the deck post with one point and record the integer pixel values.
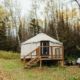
(39, 52)
(63, 52)
(25, 62)
(62, 56)
(40, 63)
(51, 52)
(62, 63)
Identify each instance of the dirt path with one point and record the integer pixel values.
(2, 77)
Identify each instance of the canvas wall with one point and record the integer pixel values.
(27, 48)
(57, 51)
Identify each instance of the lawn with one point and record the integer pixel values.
(12, 69)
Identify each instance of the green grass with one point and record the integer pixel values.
(13, 70)
(9, 55)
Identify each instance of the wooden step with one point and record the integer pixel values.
(32, 62)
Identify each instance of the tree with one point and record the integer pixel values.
(4, 15)
(14, 9)
(78, 3)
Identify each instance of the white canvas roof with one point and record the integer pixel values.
(41, 37)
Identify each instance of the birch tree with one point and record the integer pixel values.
(15, 14)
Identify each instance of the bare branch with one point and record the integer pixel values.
(78, 3)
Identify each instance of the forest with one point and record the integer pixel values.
(60, 20)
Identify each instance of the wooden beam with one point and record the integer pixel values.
(40, 63)
(62, 52)
(39, 52)
(59, 52)
(62, 63)
(51, 52)
(25, 62)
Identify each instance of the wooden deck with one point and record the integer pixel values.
(55, 53)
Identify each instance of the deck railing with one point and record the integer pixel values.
(55, 52)
(30, 55)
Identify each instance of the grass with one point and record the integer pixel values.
(9, 55)
(13, 70)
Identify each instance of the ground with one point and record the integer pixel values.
(12, 69)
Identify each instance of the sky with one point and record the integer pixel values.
(25, 5)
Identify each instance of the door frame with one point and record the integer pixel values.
(43, 49)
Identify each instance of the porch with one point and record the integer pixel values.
(44, 53)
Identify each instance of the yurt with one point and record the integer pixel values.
(49, 46)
